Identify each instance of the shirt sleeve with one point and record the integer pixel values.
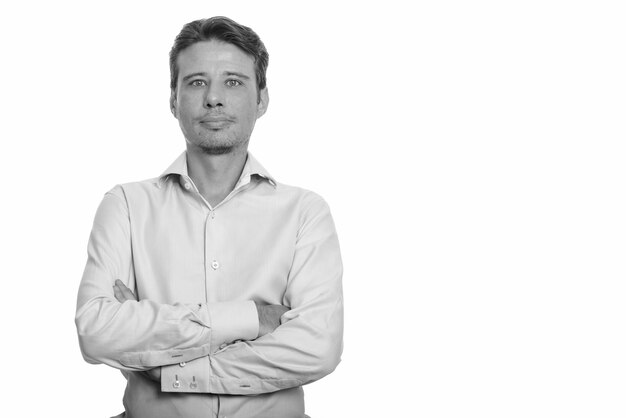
(139, 335)
(308, 343)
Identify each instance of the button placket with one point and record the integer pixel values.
(212, 266)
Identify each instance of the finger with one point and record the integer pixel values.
(125, 292)
(128, 294)
(118, 294)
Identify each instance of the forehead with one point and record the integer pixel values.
(214, 55)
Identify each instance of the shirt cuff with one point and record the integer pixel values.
(231, 321)
(186, 377)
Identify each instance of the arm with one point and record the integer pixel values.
(269, 318)
(308, 344)
(140, 335)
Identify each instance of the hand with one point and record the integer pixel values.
(122, 293)
(269, 317)
(153, 374)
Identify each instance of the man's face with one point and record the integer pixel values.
(216, 97)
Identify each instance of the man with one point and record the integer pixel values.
(215, 289)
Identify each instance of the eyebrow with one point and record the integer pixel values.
(227, 73)
(192, 75)
(240, 75)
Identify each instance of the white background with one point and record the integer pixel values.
(472, 153)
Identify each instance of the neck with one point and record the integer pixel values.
(215, 176)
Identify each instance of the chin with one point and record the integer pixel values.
(216, 149)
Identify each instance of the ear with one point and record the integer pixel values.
(264, 100)
(173, 103)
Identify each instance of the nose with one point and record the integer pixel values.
(214, 96)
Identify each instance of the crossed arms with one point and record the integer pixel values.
(269, 318)
(216, 340)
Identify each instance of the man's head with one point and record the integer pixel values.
(218, 86)
(226, 30)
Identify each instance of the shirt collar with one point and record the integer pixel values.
(251, 168)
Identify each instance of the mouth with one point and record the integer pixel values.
(216, 122)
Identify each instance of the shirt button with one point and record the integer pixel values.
(215, 265)
(187, 186)
(183, 364)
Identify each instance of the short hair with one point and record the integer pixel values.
(225, 30)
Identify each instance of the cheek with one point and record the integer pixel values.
(190, 101)
(249, 111)
(184, 102)
(187, 114)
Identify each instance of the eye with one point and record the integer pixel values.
(198, 83)
(233, 83)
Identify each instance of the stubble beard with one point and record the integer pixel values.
(221, 146)
(216, 149)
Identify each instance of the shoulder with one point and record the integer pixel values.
(148, 185)
(304, 198)
(132, 191)
(308, 205)
(118, 202)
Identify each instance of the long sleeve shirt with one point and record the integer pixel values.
(197, 272)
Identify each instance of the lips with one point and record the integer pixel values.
(216, 122)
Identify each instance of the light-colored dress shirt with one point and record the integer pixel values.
(196, 271)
